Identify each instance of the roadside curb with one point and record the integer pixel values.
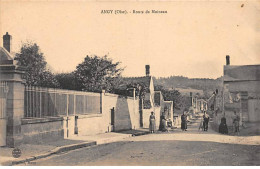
(140, 133)
(66, 148)
(57, 150)
(113, 139)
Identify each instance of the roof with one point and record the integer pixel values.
(5, 55)
(242, 73)
(202, 100)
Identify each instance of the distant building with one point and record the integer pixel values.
(202, 105)
(187, 91)
(150, 100)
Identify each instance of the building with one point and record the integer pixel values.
(240, 93)
(150, 100)
(34, 114)
(202, 105)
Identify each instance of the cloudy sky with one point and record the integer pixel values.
(192, 39)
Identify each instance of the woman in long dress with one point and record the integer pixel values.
(152, 122)
(184, 122)
(223, 126)
(163, 123)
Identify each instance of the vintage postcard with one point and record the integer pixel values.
(130, 83)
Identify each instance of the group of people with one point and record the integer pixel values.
(223, 128)
(162, 126)
(204, 124)
(184, 121)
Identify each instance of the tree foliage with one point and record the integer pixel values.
(67, 80)
(33, 60)
(96, 73)
(172, 95)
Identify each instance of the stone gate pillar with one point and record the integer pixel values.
(12, 73)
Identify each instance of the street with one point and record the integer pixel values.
(175, 148)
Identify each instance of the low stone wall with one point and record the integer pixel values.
(86, 125)
(3, 123)
(126, 117)
(177, 121)
(92, 124)
(38, 130)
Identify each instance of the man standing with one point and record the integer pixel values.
(236, 120)
(205, 121)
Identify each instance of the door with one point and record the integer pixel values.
(254, 110)
(3, 119)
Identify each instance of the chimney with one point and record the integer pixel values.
(7, 42)
(147, 70)
(227, 60)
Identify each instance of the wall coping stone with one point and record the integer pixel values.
(83, 116)
(40, 120)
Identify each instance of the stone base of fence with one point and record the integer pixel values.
(40, 130)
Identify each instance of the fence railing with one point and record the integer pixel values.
(42, 102)
(3, 95)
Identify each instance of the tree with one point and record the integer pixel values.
(33, 60)
(171, 95)
(47, 79)
(96, 73)
(67, 80)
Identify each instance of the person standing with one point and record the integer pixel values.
(223, 129)
(205, 121)
(152, 122)
(184, 121)
(163, 122)
(236, 120)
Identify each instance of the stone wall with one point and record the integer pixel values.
(126, 117)
(42, 130)
(127, 114)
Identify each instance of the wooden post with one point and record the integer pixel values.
(67, 112)
(30, 95)
(55, 109)
(74, 103)
(84, 104)
(27, 101)
(67, 105)
(134, 99)
(40, 90)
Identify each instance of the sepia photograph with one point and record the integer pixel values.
(129, 83)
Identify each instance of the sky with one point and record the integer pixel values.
(192, 39)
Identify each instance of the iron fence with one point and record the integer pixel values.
(3, 96)
(42, 102)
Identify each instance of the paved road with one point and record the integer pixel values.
(173, 148)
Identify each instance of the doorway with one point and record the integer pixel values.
(254, 110)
